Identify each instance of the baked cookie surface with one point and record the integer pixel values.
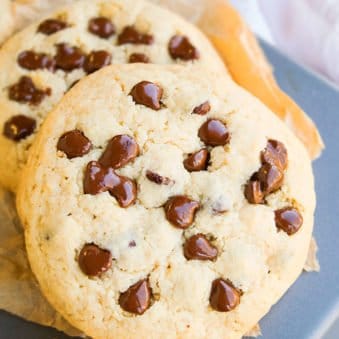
(165, 202)
(41, 63)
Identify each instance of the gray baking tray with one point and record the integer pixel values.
(310, 308)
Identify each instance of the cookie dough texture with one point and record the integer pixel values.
(147, 18)
(59, 218)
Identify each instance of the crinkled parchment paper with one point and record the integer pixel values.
(19, 292)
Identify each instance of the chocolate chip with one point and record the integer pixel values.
(197, 161)
(19, 127)
(102, 27)
(148, 94)
(254, 193)
(25, 92)
(132, 243)
(202, 109)
(94, 261)
(214, 133)
(121, 150)
(125, 192)
(275, 154)
(33, 61)
(180, 47)
(51, 26)
(99, 179)
(224, 296)
(199, 248)
(130, 35)
(270, 177)
(288, 219)
(138, 58)
(157, 179)
(74, 144)
(68, 57)
(96, 60)
(254, 177)
(137, 299)
(180, 211)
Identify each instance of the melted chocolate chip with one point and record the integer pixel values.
(96, 60)
(199, 248)
(137, 299)
(25, 92)
(69, 58)
(202, 109)
(180, 211)
(33, 61)
(288, 219)
(132, 243)
(93, 260)
(224, 296)
(157, 179)
(121, 150)
(102, 27)
(19, 127)
(214, 133)
(51, 26)
(254, 193)
(130, 35)
(74, 144)
(254, 177)
(275, 154)
(100, 179)
(138, 58)
(148, 94)
(180, 47)
(197, 161)
(125, 192)
(270, 177)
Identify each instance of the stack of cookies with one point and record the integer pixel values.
(158, 198)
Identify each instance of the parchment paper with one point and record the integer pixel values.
(19, 291)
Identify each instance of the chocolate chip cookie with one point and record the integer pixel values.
(161, 202)
(45, 60)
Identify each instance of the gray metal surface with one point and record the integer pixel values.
(310, 307)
